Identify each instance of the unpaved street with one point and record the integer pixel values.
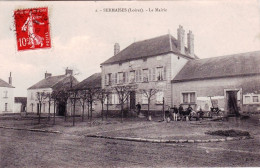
(21, 148)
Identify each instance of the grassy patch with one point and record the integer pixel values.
(228, 133)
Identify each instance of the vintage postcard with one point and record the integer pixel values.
(130, 83)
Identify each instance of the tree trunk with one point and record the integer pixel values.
(74, 105)
(102, 106)
(49, 117)
(83, 106)
(107, 108)
(39, 120)
(88, 109)
(54, 111)
(122, 111)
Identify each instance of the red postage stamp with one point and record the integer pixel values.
(32, 28)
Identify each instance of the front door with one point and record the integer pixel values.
(232, 103)
(61, 109)
(38, 108)
(132, 100)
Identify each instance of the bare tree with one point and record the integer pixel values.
(40, 97)
(148, 93)
(82, 99)
(103, 95)
(123, 91)
(91, 96)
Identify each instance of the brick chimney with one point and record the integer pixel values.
(47, 75)
(116, 48)
(190, 41)
(181, 33)
(68, 71)
(10, 79)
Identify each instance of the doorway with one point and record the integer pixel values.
(232, 106)
(132, 100)
(38, 108)
(61, 109)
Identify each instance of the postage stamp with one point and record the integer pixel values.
(32, 28)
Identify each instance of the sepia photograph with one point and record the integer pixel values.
(130, 83)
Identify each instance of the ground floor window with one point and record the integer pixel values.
(6, 105)
(188, 97)
(32, 107)
(144, 98)
(159, 97)
(251, 99)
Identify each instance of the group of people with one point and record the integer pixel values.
(176, 114)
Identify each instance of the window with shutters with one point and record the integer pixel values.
(6, 106)
(159, 97)
(125, 77)
(161, 73)
(108, 79)
(145, 75)
(120, 77)
(144, 98)
(115, 98)
(138, 75)
(132, 77)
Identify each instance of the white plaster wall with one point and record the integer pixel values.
(34, 101)
(9, 100)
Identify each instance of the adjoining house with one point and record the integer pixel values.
(20, 104)
(231, 82)
(48, 85)
(6, 96)
(92, 85)
(151, 63)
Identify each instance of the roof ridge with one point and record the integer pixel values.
(150, 38)
(229, 55)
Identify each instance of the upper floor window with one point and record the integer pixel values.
(120, 77)
(145, 75)
(5, 94)
(132, 77)
(138, 75)
(125, 77)
(161, 71)
(188, 97)
(32, 97)
(152, 74)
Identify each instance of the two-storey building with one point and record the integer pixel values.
(6, 96)
(47, 85)
(151, 63)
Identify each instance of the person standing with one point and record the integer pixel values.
(175, 113)
(138, 106)
(181, 111)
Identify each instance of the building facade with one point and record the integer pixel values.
(148, 64)
(48, 85)
(6, 96)
(231, 83)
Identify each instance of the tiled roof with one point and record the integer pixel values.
(217, 67)
(5, 84)
(54, 82)
(22, 100)
(94, 81)
(146, 48)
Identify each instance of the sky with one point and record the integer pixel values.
(83, 36)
